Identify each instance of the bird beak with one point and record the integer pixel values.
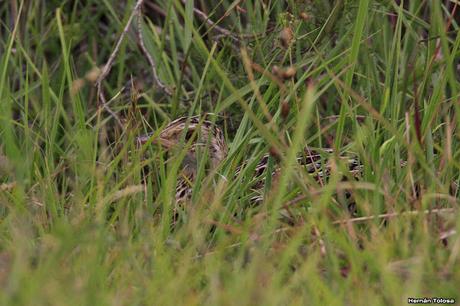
(142, 140)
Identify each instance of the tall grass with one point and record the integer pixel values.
(85, 213)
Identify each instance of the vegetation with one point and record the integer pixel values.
(86, 214)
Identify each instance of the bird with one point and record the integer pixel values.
(200, 132)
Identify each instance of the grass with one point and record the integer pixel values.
(85, 214)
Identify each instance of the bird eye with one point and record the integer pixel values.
(188, 135)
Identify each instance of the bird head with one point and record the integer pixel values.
(194, 134)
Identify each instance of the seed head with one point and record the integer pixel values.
(286, 37)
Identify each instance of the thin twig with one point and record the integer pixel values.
(108, 65)
(392, 215)
(322, 245)
(213, 25)
(160, 84)
(155, 7)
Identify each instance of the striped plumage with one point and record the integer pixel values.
(205, 132)
(314, 162)
(202, 131)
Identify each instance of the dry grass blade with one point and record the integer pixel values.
(146, 53)
(394, 215)
(137, 10)
(108, 65)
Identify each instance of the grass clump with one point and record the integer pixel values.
(85, 214)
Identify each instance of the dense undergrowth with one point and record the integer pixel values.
(85, 213)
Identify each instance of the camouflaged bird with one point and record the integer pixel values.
(200, 133)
